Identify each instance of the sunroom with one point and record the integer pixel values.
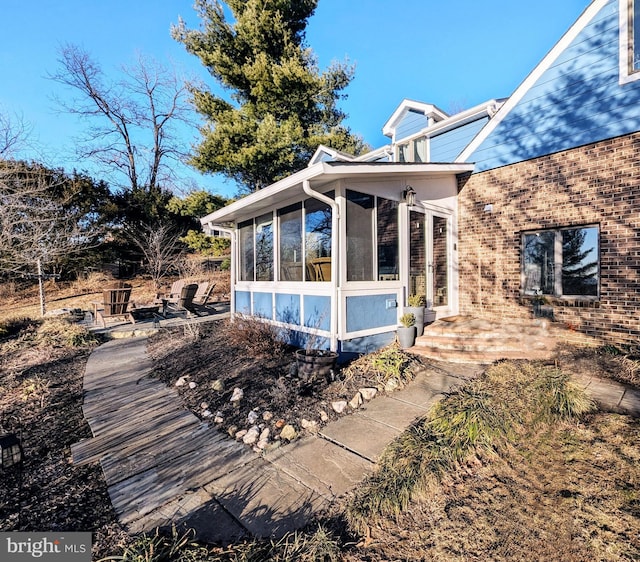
(331, 253)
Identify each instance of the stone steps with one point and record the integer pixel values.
(473, 340)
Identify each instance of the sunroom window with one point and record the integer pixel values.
(317, 240)
(561, 262)
(256, 249)
(305, 256)
(372, 238)
(291, 243)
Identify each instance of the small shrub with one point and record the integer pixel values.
(158, 547)
(416, 300)
(257, 337)
(383, 365)
(61, 332)
(14, 326)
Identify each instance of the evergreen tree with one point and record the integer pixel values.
(282, 107)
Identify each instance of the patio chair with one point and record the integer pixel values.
(322, 268)
(203, 293)
(115, 304)
(184, 303)
(173, 295)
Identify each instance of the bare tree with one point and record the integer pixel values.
(162, 249)
(35, 229)
(135, 117)
(14, 132)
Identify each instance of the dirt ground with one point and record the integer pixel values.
(551, 499)
(222, 357)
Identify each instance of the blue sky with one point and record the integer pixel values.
(454, 54)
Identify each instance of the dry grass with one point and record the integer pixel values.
(509, 401)
(569, 492)
(21, 300)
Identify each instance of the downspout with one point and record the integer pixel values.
(232, 233)
(335, 258)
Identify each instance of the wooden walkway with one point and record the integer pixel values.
(154, 454)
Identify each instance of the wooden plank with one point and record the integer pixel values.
(116, 383)
(90, 450)
(101, 404)
(141, 455)
(148, 490)
(108, 420)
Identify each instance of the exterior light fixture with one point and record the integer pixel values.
(409, 195)
(11, 453)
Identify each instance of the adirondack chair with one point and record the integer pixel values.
(184, 303)
(173, 295)
(204, 293)
(115, 304)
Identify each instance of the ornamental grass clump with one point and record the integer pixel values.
(509, 401)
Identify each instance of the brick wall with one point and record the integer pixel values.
(594, 184)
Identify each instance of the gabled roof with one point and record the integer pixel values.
(415, 106)
(332, 153)
(590, 12)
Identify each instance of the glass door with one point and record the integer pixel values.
(438, 270)
(417, 253)
(429, 257)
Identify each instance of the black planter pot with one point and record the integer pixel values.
(315, 363)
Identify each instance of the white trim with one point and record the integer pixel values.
(589, 13)
(278, 192)
(625, 77)
(407, 105)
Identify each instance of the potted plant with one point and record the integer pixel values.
(416, 305)
(407, 330)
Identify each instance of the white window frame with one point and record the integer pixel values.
(627, 74)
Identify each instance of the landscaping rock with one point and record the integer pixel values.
(240, 434)
(280, 424)
(339, 406)
(288, 432)
(204, 405)
(217, 385)
(252, 417)
(267, 416)
(232, 430)
(192, 385)
(181, 381)
(237, 395)
(309, 425)
(368, 393)
(219, 418)
(251, 436)
(356, 401)
(391, 385)
(324, 417)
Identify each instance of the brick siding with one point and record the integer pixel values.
(593, 184)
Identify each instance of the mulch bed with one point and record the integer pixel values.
(222, 357)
